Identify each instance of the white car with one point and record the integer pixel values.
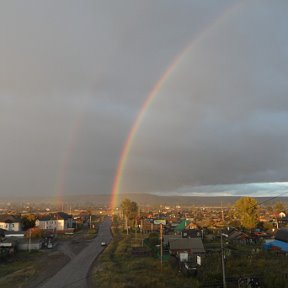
(104, 243)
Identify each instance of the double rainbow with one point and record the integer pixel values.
(117, 184)
(151, 96)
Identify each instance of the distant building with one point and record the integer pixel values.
(10, 223)
(55, 221)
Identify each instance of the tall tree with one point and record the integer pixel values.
(129, 210)
(246, 211)
(278, 207)
(28, 221)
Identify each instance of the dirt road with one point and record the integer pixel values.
(75, 272)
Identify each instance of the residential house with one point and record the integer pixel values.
(148, 226)
(192, 230)
(181, 226)
(10, 223)
(55, 221)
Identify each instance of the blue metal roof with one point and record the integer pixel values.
(276, 243)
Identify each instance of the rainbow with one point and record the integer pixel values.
(64, 164)
(151, 96)
(69, 150)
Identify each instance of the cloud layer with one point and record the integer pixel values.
(73, 77)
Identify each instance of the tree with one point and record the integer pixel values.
(28, 221)
(129, 210)
(246, 211)
(278, 207)
(34, 233)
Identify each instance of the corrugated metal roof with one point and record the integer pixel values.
(195, 244)
(276, 243)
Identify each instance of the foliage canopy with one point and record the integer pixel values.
(246, 211)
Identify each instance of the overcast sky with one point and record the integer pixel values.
(74, 76)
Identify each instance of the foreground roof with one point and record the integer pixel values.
(195, 244)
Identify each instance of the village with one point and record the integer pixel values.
(199, 244)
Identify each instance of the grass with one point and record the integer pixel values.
(117, 268)
(18, 269)
(245, 261)
(19, 261)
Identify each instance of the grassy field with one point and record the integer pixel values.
(16, 271)
(118, 268)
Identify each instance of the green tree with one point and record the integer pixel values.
(246, 211)
(129, 210)
(28, 221)
(278, 207)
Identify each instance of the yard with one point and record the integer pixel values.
(117, 267)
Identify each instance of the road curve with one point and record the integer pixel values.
(74, 274)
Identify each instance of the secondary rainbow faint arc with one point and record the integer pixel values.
(137, 123)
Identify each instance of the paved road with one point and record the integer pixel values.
(73, 275)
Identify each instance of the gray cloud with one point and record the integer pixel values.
(73, 76)
(221, 117)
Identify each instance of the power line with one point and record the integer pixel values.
(272, 198)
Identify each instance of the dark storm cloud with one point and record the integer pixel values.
(73, 76)
(221, 118)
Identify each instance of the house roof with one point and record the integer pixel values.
(168, 238)
(54, 216)
(195, 244)
(276, 243)
(237, 235)
(192, 226)
(182, 225)
(282, 235)
(7, 218)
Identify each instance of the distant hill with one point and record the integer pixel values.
(143, 200)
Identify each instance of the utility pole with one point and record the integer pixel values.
(126, 223)
(161, 246)
(223, 263)
(29, 245)
(222, 213)
(142, 233)
(135, 229)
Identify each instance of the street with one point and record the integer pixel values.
(74, 273)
